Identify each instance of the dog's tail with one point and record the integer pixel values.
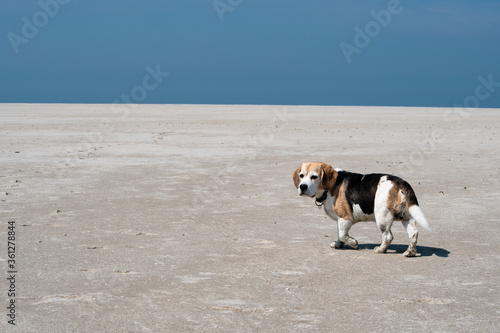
(414, 208)
(417, 214)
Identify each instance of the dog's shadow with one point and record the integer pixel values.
(422, 251)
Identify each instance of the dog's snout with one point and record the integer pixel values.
(303, 187)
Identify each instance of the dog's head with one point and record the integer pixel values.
(312, 178)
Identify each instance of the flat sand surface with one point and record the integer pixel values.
(182, 218)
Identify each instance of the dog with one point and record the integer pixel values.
(349, 198)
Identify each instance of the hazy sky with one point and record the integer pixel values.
(326, 52)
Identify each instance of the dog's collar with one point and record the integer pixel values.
(321, 200)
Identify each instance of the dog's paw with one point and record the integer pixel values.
(409, 253)
(337, 244)
(378, 249)
(353, 243)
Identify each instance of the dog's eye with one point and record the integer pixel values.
(301, 176)
(314, 177)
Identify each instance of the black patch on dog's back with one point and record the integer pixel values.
(360, 190)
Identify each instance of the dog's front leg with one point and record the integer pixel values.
(338, 244)
(343, 227)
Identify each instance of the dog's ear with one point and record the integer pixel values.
(329, 177)
(296, 178)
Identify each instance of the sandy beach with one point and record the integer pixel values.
(183, 218)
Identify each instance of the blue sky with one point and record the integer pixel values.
(418, 53)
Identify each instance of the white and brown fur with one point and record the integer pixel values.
(349, 198)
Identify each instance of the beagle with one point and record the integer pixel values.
(349, 198)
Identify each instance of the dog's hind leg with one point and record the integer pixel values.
(385, 228)
(413, 233)
(343, 227)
